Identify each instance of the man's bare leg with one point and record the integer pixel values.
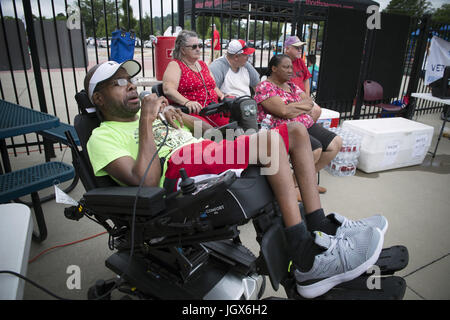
(332, 150)
(304, 169)
(303, 163)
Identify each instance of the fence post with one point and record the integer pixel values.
(181, 13)
(34, 55)
(365, 65)
(193, 19)
(417, 65)
(299, 19)
(48, 145)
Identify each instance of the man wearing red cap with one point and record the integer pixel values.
(233, 73)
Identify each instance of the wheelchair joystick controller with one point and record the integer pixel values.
(187, 184)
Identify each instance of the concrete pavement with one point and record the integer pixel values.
(415, 200)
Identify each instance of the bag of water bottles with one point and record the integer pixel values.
(346, 161)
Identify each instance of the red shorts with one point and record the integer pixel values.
(209, 157)
(216, 120)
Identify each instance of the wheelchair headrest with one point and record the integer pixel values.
(158, 89)
(84, 123)
(84, 103)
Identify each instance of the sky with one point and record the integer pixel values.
(46, 7)
(436, 3)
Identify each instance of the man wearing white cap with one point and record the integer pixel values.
(233, 73)
(126, 141)
(293, 48)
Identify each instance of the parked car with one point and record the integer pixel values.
(148, 44)
(207, 43)
(90, 41)
(138, 42)
(102, 42)
(225, 43)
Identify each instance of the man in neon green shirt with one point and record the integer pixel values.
(129, 137)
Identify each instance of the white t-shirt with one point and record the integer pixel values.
(234, 83)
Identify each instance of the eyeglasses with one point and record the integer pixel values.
(124, 82)
(195, 46)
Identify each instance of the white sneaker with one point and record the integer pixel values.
(348, 227)
(344, 259)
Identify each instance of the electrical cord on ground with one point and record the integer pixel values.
(33, 283)
(116, 285)
(65, 245)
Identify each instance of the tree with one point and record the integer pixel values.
(413, 8)
(203, 26)
(102, 31)
(90, 21)
(442, 15)
(127, 20)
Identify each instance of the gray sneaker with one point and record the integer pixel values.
(344, 259)
(348, 227)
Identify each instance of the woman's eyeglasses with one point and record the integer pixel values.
(195, 46)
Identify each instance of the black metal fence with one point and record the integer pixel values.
(48, 45)
(416, 58)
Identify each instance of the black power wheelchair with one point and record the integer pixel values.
(186, 244)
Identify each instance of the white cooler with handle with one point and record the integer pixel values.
(389, 143)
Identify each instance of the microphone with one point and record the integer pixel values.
(160, 114)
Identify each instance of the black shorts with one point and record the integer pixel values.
(320, 137)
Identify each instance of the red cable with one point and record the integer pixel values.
(65, 245)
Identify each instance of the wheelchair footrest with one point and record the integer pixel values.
(366, 288)
(393, 259)
(372, 285)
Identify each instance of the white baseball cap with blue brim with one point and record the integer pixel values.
(109, 68)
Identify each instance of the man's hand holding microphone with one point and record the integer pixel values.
(158, 107)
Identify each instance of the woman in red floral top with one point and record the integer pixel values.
(280, 100)
(187, 80)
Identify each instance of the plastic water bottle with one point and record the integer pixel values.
(346, 161)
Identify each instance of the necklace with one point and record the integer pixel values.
(190, 66)
(199, 74)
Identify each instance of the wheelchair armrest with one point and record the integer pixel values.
(213, 133)
(232, 125)
(120, 200)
